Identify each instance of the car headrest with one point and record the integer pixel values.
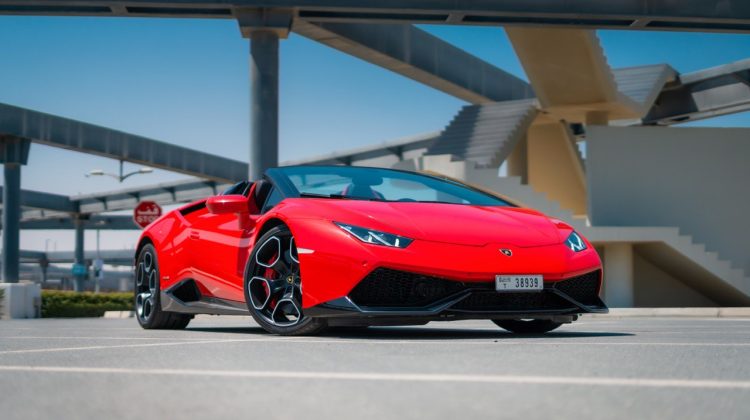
(260, 192)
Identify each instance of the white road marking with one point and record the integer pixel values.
(21, 337)
(363, 341)
(400, 377)
(119, 346)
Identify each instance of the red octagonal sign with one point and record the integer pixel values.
(145, 213)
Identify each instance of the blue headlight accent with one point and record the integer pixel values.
(375, 237)
(575, 242)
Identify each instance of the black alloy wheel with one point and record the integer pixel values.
(147, 307)
(273, 286)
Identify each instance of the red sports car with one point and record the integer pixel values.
(314, 246)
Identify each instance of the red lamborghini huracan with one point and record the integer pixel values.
(314, 246)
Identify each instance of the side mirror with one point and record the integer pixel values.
(235, 203)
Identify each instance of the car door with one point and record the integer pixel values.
(224, 244)
(219, 242)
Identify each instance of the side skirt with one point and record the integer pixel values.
(185, 298)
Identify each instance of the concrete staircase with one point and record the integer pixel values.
(678, 254)
(485, 134)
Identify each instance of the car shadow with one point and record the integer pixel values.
(420, 333)
(423, 333)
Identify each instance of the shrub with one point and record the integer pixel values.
(58, 304)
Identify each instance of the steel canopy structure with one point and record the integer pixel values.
(694, 15)
(66, 133)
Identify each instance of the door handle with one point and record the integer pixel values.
(194, 235)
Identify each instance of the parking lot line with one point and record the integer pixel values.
(400, 377)
(181, 343)
(301, 340)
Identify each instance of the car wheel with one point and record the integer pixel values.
(273, 286)
(531, 326)
(147, 307)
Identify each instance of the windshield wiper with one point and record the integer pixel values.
(313, 195)
(339, 196)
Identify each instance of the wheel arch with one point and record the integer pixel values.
(269, 224)
(145, 240)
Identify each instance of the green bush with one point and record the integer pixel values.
(58, 304)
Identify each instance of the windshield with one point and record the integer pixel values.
(358, 183)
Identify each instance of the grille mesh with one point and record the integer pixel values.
(385, 287)
(583, 288)
(494, 301)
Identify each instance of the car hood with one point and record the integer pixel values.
(438, 222)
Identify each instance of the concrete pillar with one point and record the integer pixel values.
(14, 152)
(619, 290)
(11, 222)
(518, 161)
(264, 27)
(78, 286)
(597, 118)
(264, 108)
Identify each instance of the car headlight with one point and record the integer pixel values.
(575, 242)
(375, 237)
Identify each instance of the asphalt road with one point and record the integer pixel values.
(225, 367)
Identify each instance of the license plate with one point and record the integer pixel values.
(527, 283)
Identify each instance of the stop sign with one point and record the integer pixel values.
(145, 213)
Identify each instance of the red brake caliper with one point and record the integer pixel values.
(269, 274)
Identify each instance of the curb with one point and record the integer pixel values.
(734, 312)
(119, 314)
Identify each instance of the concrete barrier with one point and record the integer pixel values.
(21, 300)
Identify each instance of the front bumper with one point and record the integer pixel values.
(391, 296)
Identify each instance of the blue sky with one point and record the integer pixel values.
(187, 82)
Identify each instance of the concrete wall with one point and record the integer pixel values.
(654, 287)
(21, 300)
(697, 179)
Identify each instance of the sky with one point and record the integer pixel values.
(187, 82)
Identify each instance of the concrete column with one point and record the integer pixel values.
(619, 290)
(597, 118)
(264, 27)
(264, 108)
(11, 222)
(79, 255)
(518, 161)
(14, 152)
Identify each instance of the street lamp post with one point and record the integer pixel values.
(122, 176)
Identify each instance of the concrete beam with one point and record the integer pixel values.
(113, 257)
(78, 136)
(165, 194)
(92, 223)
(385, 149)
(414, 53)
(668, 15)
(44, 201)
(570, 73)
(703, 94)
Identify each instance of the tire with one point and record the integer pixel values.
(146, 295)
(273, 286)
(532, 326)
